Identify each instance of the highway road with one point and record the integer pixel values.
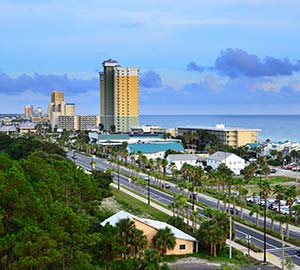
(241, 231)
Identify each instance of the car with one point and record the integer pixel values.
(298, 252)
(231, 211)
(194, 196)
(273, 170)
(166, 185)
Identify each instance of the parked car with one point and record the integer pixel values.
(273, 170)
(231, 211)
(290, 166)
(166, 185)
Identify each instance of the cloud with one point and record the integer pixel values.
(194, 67)
(237, 62)
(44, 84)
(150, 79)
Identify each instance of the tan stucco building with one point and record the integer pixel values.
(184, 242)
(234, 137)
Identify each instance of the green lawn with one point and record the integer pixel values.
(272, 180)
(137, 207)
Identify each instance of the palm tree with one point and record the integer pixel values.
(138, 242)
(272, 216)
(290, 196)
(278, 191)
(296, 209)
(163, 240)
(127, 231)
(255, 209)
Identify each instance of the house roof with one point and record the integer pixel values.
(221, 155)
(182, 157)
(155, 147)
(8, 128)
(29, 125)
(113, 220)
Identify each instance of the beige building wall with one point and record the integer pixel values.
(247, 136)
(57, 96)
(70, 109)
(150, 232)
(126, 104)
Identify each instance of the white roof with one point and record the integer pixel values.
(161, 225)
(222, 155)
(113, 220)
(182, 157)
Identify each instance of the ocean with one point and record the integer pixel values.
(275, 127)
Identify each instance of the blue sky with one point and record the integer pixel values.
(212, 57)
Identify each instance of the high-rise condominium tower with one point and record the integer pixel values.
(58, 107)
(119, 96)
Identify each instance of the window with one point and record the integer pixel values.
(182, 247)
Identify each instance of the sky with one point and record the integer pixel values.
(195, 57)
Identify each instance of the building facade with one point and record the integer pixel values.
(119, 96)
(232, 161)
(67, 122)
(184, 243)
(234, 137)
(28, 111)
(57, 107)
(86, 122)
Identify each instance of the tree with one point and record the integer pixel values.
(290, 197)
(163, 240)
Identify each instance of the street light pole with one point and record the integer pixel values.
(265, 230)
(148, 190)
(248, 237)
(193, 196)
(118, 176)
(230, 236)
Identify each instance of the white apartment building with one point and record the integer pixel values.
(232, 161)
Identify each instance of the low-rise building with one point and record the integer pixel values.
(232, 161)
(67, 122)
(8, 130)
(153, 150)
(85, 122)
(185, 244)
(27, 127)
(179, 159)
(234, 137)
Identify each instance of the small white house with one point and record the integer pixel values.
(180, 159)
(232, 161)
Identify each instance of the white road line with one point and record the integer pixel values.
(258, 240)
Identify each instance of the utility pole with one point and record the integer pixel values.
(230, 237)
(282, 250)
(118, 176)
(265, 230)
(148, 190)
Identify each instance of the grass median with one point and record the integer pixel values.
(136, 207)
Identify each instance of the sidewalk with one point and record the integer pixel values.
(258, 256)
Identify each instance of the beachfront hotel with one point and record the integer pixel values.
(234, 137)
(119, 92)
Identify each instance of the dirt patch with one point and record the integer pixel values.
(110, 204)
(193, 264)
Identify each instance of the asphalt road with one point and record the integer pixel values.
(241, 231)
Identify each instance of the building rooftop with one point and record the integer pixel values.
(8, 128)
(155, 147)
(219, 128)
(219, 155)
(108, 137)
(182, 157)
(113, 220)
(29, 125)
